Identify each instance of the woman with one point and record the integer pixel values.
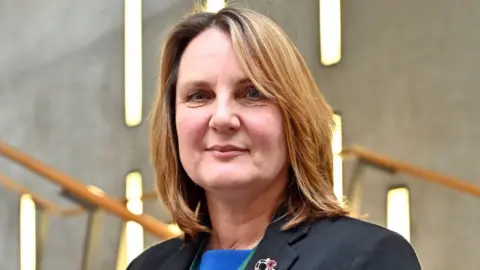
(241, 149)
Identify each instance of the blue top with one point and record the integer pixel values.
(223, 259)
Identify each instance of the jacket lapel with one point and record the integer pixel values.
(184, 257)
(275, 245)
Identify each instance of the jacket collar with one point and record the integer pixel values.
(275, 245)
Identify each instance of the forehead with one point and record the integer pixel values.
(210, 55)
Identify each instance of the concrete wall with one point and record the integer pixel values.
(406, 87)
(67, 112)
(61, 101)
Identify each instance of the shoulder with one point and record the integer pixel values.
(362, 244)
(350, 229)
(155, 255)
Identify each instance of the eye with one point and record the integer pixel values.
(254, 94)
(197, 96)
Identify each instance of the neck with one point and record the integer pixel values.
(241, 223)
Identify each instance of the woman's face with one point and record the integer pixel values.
(230, 136)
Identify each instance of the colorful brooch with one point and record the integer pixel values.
(266, 264)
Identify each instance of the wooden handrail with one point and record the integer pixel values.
(76, 188)
(81, 210)
(396, 165)
(42, 203)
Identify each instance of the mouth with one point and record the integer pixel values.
(226, 151)
(226, 148)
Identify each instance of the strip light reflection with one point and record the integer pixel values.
(337, 159)
(133, 62)
(214, 5)
(134, 244)
(398, 211)
(28, 236)
(330, 32)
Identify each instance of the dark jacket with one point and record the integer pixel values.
(326, 244)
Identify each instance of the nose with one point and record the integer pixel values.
(224, 118)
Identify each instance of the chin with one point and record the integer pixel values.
(225, 181)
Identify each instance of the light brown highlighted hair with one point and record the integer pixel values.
(274, 65)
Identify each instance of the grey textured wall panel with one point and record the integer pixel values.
(407, 86)
(64, 242)
(68, 112)
(9, 230)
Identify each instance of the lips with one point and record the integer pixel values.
(226, 148)
(226, 152)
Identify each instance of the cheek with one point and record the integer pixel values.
(190, 130)
(267, 131)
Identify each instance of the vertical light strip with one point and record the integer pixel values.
(28, 236)
(337, 159)
(133, 62)
(330, 32)
(133, 231)
(214, 5)
(398, 211)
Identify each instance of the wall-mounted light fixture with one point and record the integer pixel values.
(28, 236)
(337, 159)
(133, 230)
(398, 211)
(214, 5)
(132, 240)
(133, 62)
(330, 32)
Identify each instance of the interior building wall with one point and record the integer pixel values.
(406, 87)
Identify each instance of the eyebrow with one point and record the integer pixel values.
(202, 84)
(194, 84)
(243, 81)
